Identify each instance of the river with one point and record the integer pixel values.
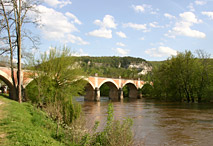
(158, 123)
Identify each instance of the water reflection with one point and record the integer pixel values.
(157, 123)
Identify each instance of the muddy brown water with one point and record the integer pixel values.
(158, 123)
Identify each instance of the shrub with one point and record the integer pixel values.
(114, 133)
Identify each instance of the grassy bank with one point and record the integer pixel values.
(23, 124)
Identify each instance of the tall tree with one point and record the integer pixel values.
(183, 77)
(13, 14)
(204, 72)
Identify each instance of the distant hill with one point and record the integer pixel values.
(126, 67)
(111, 61)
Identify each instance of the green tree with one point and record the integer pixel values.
(204, 72)
(57, 79)
(147, 90)
(182, 77)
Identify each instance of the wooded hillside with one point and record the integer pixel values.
(126, 67)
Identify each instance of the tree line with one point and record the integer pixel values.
(185, 77)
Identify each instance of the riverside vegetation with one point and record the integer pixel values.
(184, 77)
(24, 124)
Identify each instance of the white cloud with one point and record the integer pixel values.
(197, 2)
(121, 34)
(143, 8)
(121, 51)
(209, 14)
(57, 3)
(189, 17)
(108, 22)
(75, 39)
(120, 44)
(56, 26)
(154, 25)
(103, 32)
(170, 34)
(138, 8)
(105, 27)
(72, 16)
(167, 15)
(161, 52)
(183, 26)
(135, 26)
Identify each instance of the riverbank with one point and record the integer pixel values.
(22, 124)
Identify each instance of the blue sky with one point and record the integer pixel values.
(149, 29)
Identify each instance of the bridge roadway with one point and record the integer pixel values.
(92, 88)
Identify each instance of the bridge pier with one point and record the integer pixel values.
(120, 94)
(139, 94)
(133, 93)
(12, 93)
(113, 94)
(97, 94)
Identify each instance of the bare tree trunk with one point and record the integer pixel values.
(10, 44)
(19, 53)
(13, 26)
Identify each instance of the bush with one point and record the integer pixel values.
(114, 133)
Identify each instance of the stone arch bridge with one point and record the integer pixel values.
(92, 88)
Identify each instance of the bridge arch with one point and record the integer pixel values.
(147, 89)
(27, 82)
(132, 89)
(108, 81)
(8, 81)
(113, 88)
(89, 82)
(129, 82)
(89, 91)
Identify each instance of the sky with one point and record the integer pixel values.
(149, 29)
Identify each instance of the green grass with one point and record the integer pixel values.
(25, 125)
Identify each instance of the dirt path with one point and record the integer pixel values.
(1, 102)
